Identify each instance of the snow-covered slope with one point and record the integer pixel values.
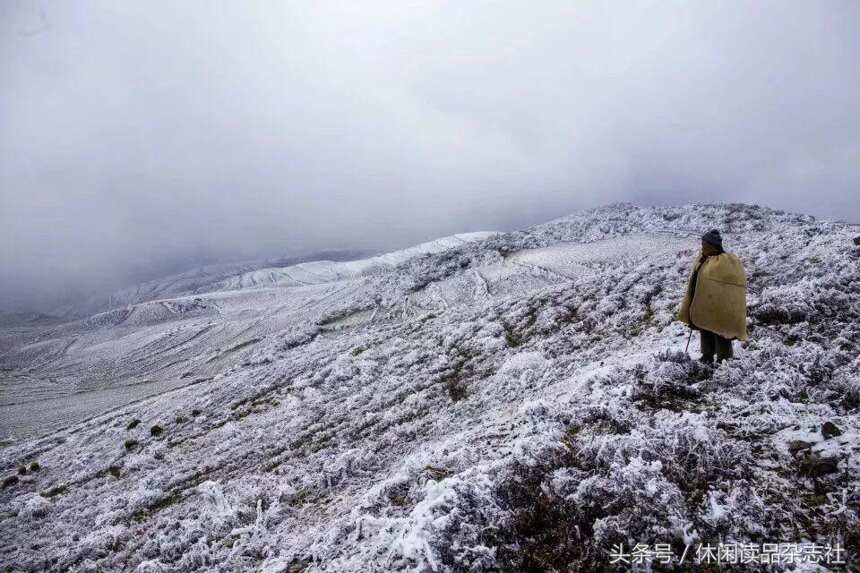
(517, 401)
(316, 272)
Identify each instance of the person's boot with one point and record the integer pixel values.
(708, 360)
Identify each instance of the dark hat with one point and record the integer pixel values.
(713, 237)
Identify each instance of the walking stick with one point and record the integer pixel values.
(687, 348)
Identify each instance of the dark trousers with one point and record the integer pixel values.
(715, 344)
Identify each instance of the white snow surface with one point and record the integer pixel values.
(485, 402)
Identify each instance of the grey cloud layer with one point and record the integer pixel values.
(135, 136)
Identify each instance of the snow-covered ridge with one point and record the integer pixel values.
(517, 402)
(316, 272)
(250, 274)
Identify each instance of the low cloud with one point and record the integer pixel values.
(137, 138)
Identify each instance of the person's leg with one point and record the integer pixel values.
(724, 348)
(708, 345)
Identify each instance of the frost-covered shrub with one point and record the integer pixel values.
(421, 271)
(601, 419)
(298, 337)
(637, 504)
(692, 453)
(775, 314)
(538, 530)
(669, 385)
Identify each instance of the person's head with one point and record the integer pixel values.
(712, 243)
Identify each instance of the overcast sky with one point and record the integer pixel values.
(137, 134)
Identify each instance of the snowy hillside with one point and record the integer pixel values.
(493, 402)
(201, 279)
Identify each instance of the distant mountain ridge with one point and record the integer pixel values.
(270, 272)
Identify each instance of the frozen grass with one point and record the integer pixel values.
(488, 415)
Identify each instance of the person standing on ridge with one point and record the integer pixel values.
(716, 299)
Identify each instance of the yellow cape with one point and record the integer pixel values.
(719, 303)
